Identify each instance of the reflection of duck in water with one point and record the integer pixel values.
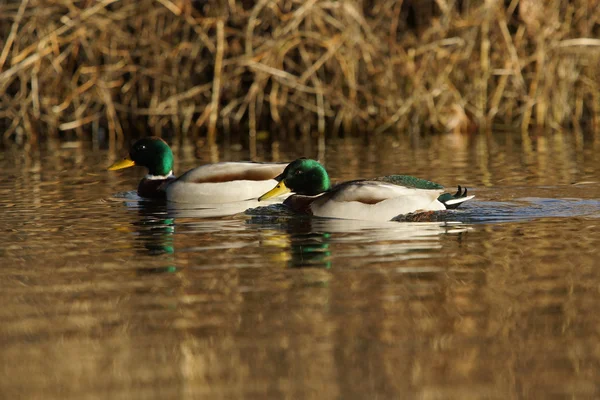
(155, 230)
(211, 183)
(291, 240)
(310, 249)
(302, 242)
(378, 199)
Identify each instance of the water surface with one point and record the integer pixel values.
(105, 296)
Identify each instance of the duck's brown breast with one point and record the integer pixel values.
(154, 188)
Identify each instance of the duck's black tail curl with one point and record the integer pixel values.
(453, 201)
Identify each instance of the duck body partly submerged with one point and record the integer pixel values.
(379, 199)
(217, 183)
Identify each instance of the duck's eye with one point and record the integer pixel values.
(298, 172)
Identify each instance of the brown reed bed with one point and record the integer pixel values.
(80, 67)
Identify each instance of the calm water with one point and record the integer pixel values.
(104, 296)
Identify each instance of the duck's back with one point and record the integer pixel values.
(224, 182)
(233, 171)
(375, 199)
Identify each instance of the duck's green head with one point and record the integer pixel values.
(152, 153)
(303, 176)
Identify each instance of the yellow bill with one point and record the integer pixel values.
(276, 191)
(126, 163)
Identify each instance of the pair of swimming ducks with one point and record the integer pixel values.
(378, 199)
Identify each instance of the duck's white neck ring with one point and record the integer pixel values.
(159, 177)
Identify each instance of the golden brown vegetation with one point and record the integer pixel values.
(195, 67)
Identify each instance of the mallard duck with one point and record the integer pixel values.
(217, 183)
(379, 199)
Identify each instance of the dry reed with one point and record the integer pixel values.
(190, 67)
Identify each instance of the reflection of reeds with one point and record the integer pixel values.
(121, 66)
